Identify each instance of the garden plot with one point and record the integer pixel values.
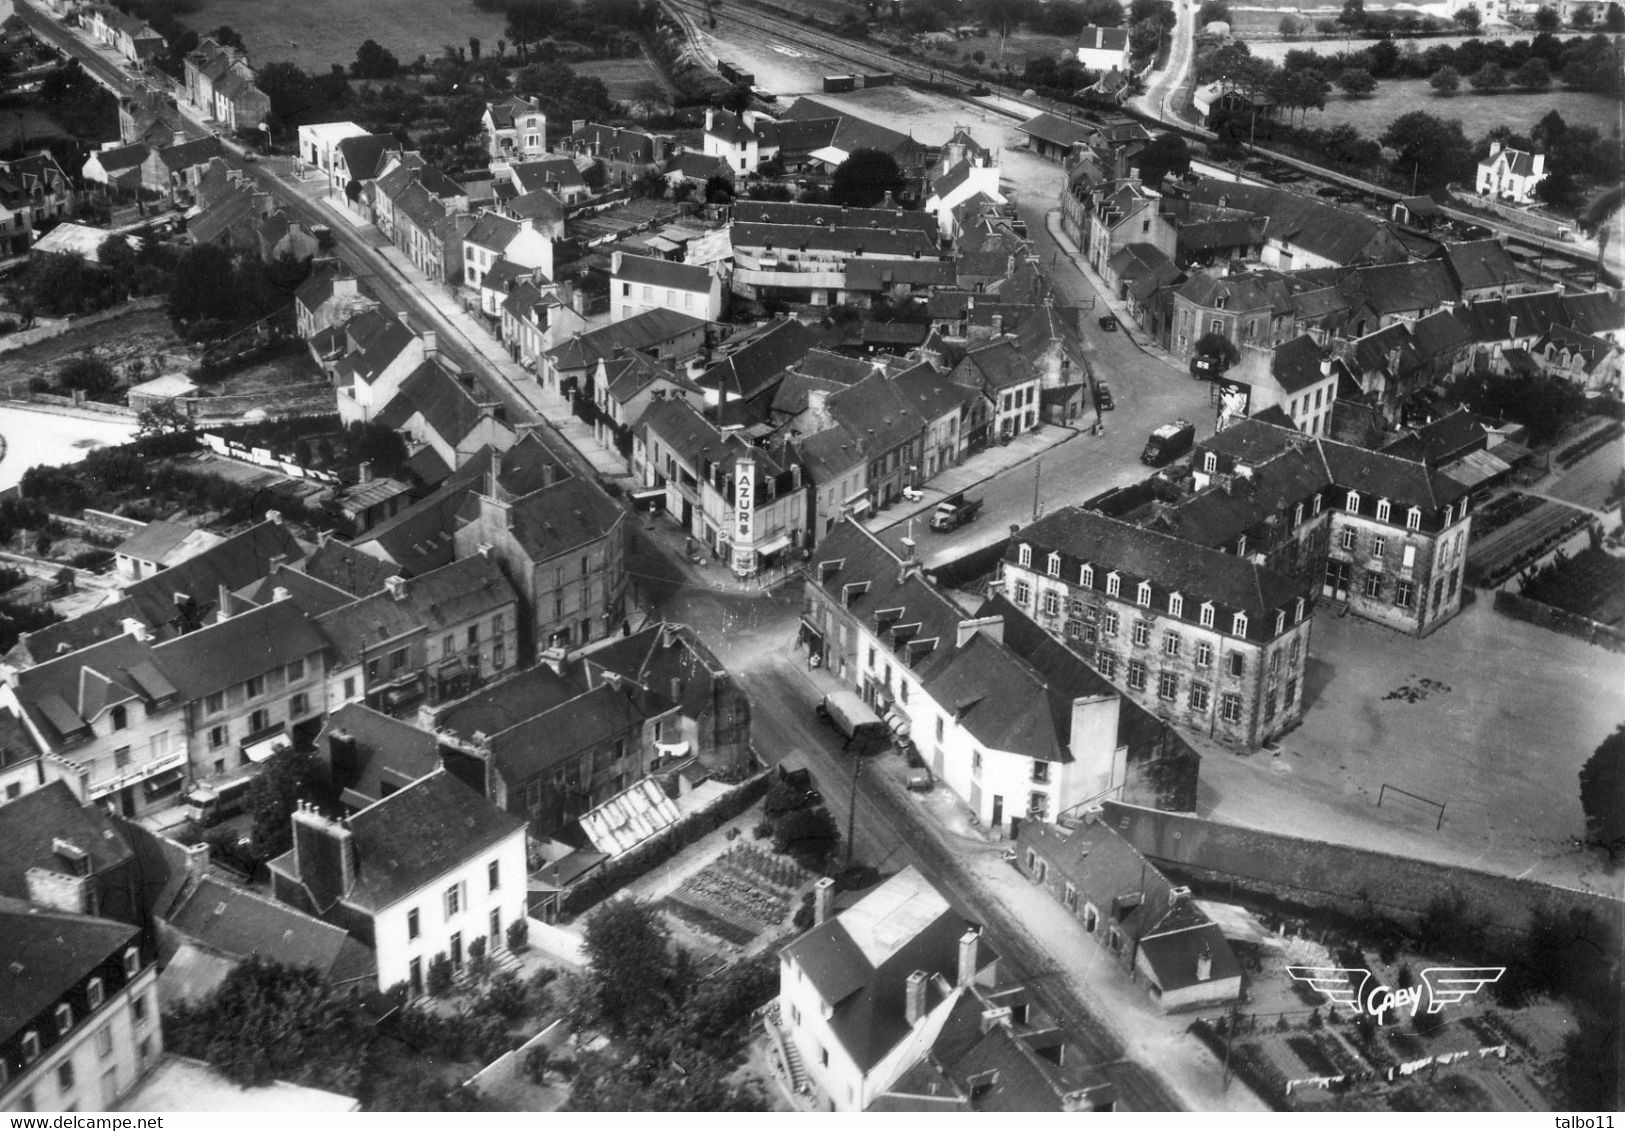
(741, 895)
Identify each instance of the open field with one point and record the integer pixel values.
(142, 334)
(625, 78)
(316, 33)
(1479, 113)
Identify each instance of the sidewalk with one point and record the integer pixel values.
(1128, 325)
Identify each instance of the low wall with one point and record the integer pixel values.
(1559, 620)
(81, 404)
(1356, 882)
(1518, 217)
(56, 328)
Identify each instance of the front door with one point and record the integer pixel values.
(457, 950)
(1336, 584)
(998, 810)
(496, 930)
(110, 1089)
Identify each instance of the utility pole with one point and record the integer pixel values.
(1038, 477)
(852, 807)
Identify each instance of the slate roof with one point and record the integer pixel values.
(246, 644)
(228, 920)
(310, 595)
(341, 565)
(878, 412)
(643, 331)
(931, 393)
(825, 365)
(655, 656)
(502, 112)
(492, 231)
(235, 562)
(1172, 565)
(756, 360)
(199, 151)
(1172, 949)
(641, 269)
(1000, 365)
(1481, 263)
(539, 204)
(851, 133)
(698, 167)
(392, 752)
(121, 157)
(1057, 131)
(420, 537)
(558, 735)
(899, 242)
(835, 216)
(1337, 234)
(554, 520)
(154, 541)
(30, 824)
(431, 602)
(615, 143)
(1400, 287)
(364, 154)
(546, 173)
(64, 696)
(1145, 267)
(101, 623)
(46, 954)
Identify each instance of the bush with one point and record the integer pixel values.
(439, 974)
(506, 996)
(519, 936)
(763, 830)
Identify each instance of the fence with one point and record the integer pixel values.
(509, 1068)
(1559, 620)
(264, 457)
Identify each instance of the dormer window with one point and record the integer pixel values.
(1317, 504)
(1383, 510)
(1241, 546)
(30, 1047)
(1297, 612)
(1142, 595)
(132, 962)
(94, 993)
(1238, 624)
(1413, 519)
(1210, 462)
(1280, 622)
(1054, 565)
(1352, 502)
(120, 717)
(1176, 605)
(1205, 615)
(1114, 585)
(1024, 556)
(64, 1019)
(1086, 577)
(1449, 511)
(1297, 515)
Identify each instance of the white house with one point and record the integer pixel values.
(1511, 174)
(495, 237)
(420, 875)
(956, 183)
(319, 143)
(1103, 48)
(639, 282)
(515, 131)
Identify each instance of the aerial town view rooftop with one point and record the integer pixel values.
(812, 555)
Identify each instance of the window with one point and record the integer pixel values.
(349, 687)
(1269, 707)
(1297, 611)
(454, 900)
(473, 635)
(1024, 593)
(1230, 707)
(1176, 605)
(942, 724)
(64, 1019)
(1024, 556)
(1295, 651)
(214, 703)
(1210, 462)
(64, 1077)
(397, 660)
(1291, 691)
(259, 720)
(299, 704)
(493, 874)
(1316, 507)
(1199, 696)
(94, 993)
(1407, 559)
(1114, 585)
(1040, 772)
(1070, 897)
(412, 930)
(976, 763)
(1052, 604)
(1238, 624)
(1238, 664)
(1167, 686)
(1204, 654)
(1403, 594)
(1142, 595)
(217, 737)
(1383, 510)
(1346, 539)
(1205, 617)
(296, 670)
(1086, 577)
(1136, 675)
(1297, 515)
(256, 686)
(1142, 633)
(1351, 502)
(104, 1042)
(1413, 519)
(121, 757)
(30, 1047)
(1052, 565)
(1241, 546)
(1107, 663)
(1038, 810)
(1378, 546)
(1108, 624)
(1170, 644)
(1373, 585)
(120, 717)
(138, 1007)
(1448, 512)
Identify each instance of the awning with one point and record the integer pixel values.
(162, 783)
(774, 545)
(858, 507)
(265, 747)
(395, 696)
(811, 631)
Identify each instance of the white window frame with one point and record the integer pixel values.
(1238, 625)
(1413, 519)
(1176, 605)
(1142, 594)
(1384, 510)
(1053, 564)
(1205, 616)
(1024, 556)
(1086, 576)
(1114, 584)
(1351, 502)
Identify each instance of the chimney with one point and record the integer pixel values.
(178, 138)
(991, 626)
(274, 516)
(344, 759)
(135, 628)
(967, 957)
(344, 287)
(431, 345)
(223, 602)
(396, 584)
(823, 899)
(1000, 1016)
(1495, 148)
(678, 686)
(914, 997)
(1204, 964)
(1178, 895)
(280, 593)
(1538, 163)
(483, 549)
(998, 325)
(615, 257)
(323, 855)
(59, 891)
(366, 471)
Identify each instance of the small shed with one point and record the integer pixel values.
(169, 387)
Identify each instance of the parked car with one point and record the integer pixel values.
(1103, 397)
(920, 781)
(1108, 322)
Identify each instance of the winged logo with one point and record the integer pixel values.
(1342, 985)
(1448, 985)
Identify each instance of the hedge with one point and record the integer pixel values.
(618, 873)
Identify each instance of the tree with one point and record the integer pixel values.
(864, 179)
(88, 375)
(1535, 74)
(227, 36)
(372, 61)
(1212, 12)
(1292, 26)
(1356, 82)
(1353, 14)
(1216, 345)
(474, 48)
(66, 284)
(810, 836)
(1602, 795)
(1469, 18)
(630, 964)
(1614, 20)
(1546, 19)
(117, 258)
(204, 285)
(286, 778)
(1488, 77)
(1433, 150)
(1166, 154)
(164, 418)
(268, 1022)
(719, 189)
(1445, 80)
(1583, 18)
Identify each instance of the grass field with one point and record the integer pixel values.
(625, 78)
(1479, 113)
(316, 33)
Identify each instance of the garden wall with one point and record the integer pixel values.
(1227, 859)
(1558, 620)
(51, 328)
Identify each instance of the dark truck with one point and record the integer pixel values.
(1168, 443)
(954, 512)
(855, 721)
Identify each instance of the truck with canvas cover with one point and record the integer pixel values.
(855, 721)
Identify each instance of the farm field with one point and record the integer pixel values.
(625, 78)
(317, 33)
(1276, 49)
(1479, 113)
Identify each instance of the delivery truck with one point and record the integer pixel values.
(855, 721)
(953, 512)
(1168, 443)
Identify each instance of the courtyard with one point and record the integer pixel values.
(1490, 717)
